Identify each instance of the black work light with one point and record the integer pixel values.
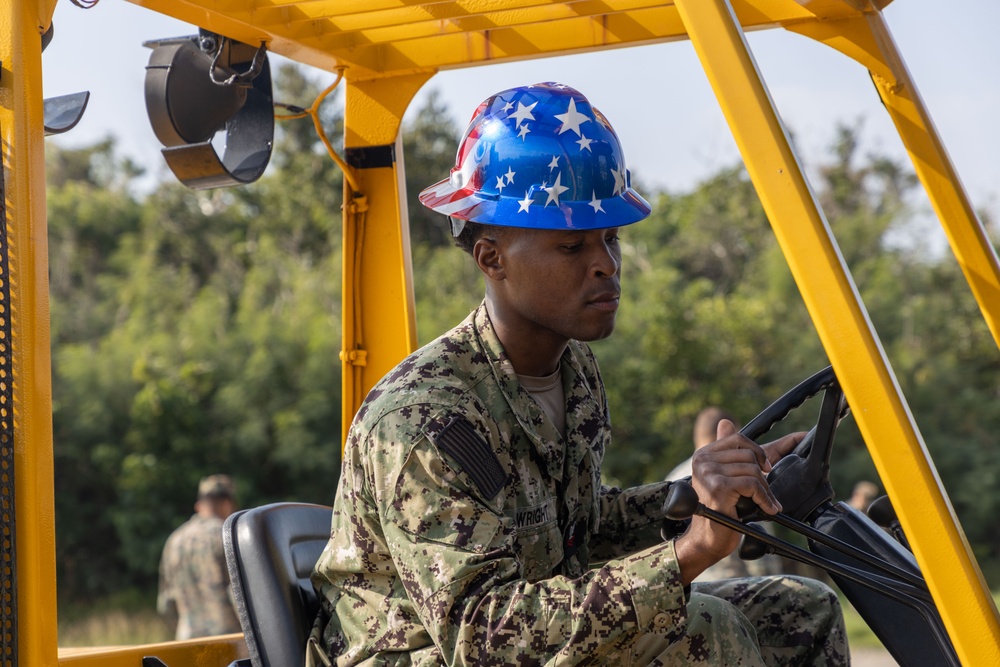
(199, 85)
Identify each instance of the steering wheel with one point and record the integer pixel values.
(877, 573)
(801, 480)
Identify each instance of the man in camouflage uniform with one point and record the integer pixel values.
(470, 525)
(194, 580)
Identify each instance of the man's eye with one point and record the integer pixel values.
(573, 248)
(613, 239)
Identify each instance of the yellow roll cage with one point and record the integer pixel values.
(388, 49)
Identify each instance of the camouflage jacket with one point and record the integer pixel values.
(194, 581)
(465, 525)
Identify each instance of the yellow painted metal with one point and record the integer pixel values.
(867, 39)
(207, 652)
(21, 118)
(379, 322)
(390, 48)
(44, 9)
(846, 332)
(387, 38)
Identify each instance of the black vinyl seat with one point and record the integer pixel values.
(270, 552)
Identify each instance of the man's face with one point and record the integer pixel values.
(560, 284)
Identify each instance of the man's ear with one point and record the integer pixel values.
(489, 258)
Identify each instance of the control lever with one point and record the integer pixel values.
(883, 514)
(682, 503)
(751, 548)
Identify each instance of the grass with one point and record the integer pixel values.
(129, 622)
(114, 628)
(859, 635)
(124, 621)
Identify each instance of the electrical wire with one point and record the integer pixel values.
(313, 112)
(356, 208)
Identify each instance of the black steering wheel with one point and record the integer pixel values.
(801, 480)
(877, 573)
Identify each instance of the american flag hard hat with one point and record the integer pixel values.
(540, 157)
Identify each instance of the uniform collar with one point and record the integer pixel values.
(582, 407)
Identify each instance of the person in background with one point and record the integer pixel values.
(194, 580)
(706, 426)
(863, 495)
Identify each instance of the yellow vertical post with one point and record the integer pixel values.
(846, 332)
(33, 605)
(379, 323)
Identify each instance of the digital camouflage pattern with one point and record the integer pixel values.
(194, 581)
(791, 621)
(477, 549)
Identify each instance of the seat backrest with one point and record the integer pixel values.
(271, 551)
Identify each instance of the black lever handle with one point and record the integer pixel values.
(883, 513)
(682, 503)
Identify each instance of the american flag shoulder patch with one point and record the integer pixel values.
(473, 455)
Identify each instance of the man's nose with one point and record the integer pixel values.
(607, 262)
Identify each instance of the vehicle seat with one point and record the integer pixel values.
(270, 552)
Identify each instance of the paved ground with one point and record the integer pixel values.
(871, 657)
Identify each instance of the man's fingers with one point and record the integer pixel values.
(721, 486)
(725, 429)
(760, 493)
(729, 439)
(767, 502)
(726, 457)
(734, 466)
(759, 455)
(777, 449)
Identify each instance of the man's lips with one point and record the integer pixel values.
(605, 300)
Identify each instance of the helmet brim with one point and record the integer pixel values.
(625, 208)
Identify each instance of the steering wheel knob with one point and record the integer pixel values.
(681, 502)
(751, 548)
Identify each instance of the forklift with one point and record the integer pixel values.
(906, 566)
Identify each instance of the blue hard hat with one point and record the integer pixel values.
(541, 157)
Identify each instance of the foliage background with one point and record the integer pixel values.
(198, 332)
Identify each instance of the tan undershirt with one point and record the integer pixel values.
(548, 392)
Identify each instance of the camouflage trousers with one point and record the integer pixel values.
(774, 621)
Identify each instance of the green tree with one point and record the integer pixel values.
(429, 144)
(198, 332)
(194, 332)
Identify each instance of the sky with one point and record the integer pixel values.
(657, 97)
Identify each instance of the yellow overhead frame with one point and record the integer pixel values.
(388, 38)
(389, 48)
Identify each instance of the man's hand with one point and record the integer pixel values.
(726, 470)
